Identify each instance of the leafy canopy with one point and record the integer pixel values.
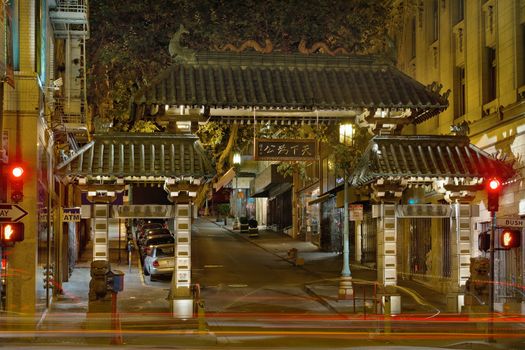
(129, 39)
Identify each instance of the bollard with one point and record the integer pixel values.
(201, 316)
(387, 313)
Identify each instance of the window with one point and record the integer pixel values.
(435, 21)
(521, 58)
(328, 173)
(490, 81)
(459, 10)
(459, 92)
(413, 38)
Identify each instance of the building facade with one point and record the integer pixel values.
(44, 80)
(480, 58)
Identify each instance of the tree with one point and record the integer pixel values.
(129, 39)
(129, 47)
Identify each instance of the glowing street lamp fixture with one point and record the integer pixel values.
(236, 163)
(237, 158)
(346, 133)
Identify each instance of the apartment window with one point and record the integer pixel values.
(435, 21)
(459, 92)
(521, 62)
(491, 75)
(459, 10)
(413, 38)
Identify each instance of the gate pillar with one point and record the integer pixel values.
(181, 298)
(461, 229)
(386, 244)
(387, 256)
(100, 232)
(181, 280)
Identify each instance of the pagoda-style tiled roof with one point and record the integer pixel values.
(291, 82)
(138, 157)
(430, 157)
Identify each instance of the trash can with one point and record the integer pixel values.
(244, 224)
(253, 229)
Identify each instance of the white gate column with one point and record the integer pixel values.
(461, 229)
(387, 256)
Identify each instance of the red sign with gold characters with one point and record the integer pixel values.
(285, 149)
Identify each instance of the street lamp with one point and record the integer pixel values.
(346, 291)
(236, 163)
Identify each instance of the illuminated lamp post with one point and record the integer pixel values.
(237, 164)
(346, 133)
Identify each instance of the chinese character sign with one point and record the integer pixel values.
(285, 149)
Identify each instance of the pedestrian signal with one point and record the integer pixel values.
(510, 238)
(11, 232)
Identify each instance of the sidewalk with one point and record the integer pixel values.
(326, 266)
(415, 297)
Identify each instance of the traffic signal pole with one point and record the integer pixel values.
(492, 275)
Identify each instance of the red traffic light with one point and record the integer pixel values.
(510, 238)
(494, 184)
(17, 172)
(16, 180)
(11, 232)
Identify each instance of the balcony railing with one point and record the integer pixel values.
(70, 18)
(71, 6)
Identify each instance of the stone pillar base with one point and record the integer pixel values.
(346, 291)
(181, 308)
(455, 302)
(391, 304)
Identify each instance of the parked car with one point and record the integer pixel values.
(141, 228)
(160, 260)
(146, 247)
(153, 232)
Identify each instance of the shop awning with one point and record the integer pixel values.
(224, 179)
(426, 157)
(288, 82)
(321, 199)
(270, 183)
(138, 157)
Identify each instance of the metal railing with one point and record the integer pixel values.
(366, 292)
(72, 6)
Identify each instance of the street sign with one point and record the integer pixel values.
(510, 222)
(71, 214)
(356, 212)
(11, 213)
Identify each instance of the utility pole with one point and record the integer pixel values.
(492, 275)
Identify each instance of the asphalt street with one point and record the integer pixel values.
(254, 296)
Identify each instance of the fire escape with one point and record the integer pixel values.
(69, 118)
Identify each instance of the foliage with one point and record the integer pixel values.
(144, 126)
(129, 39)
(223, 209)
(345, 156)
(129, 47)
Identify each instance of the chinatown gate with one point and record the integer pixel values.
(285, 89)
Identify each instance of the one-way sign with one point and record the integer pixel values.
(11, 213)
